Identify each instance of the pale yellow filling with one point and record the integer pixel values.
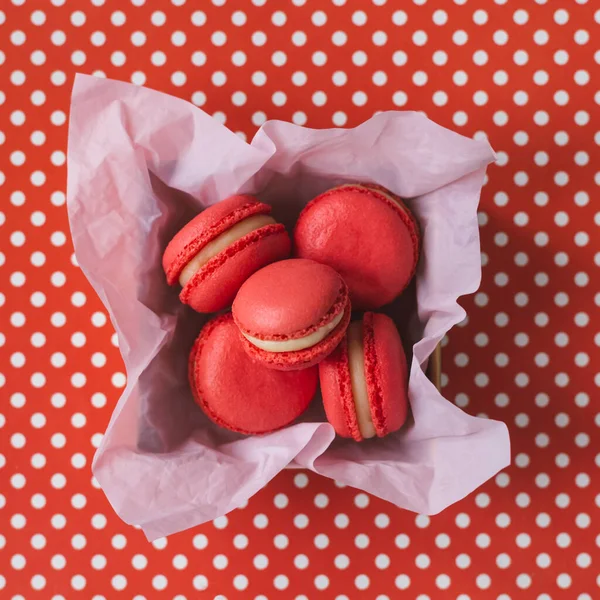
(356, 364)
(298, 344)
(221, 242)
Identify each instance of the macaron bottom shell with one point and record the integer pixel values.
(238, 394)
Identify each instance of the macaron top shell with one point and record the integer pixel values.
(239, 394)
(206, 226)
(289, 299)
(367, 235)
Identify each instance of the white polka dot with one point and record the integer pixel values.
(541, 158)
(220, 561)
(338, 38)
(561, 16)
(501, 400)
(200, 582)
(17, 117)
(382, 561)
(561, 178)
(278, 18)
(379, 78)
(402, 582)
(38, 57)
(259, 38)
(399, 58)
(301, 521)
(419, 38)
(319, 18)
(581, 158)
(561, 57)
(157, 58)
(419, 78)
(520, 138)
(218, 38)
(178, 78)
(341, 521)
(500, 77)
(500, 118)
(500, 37)
(439, 58)
(341, 561)
(359, 98)
(281, 582)
(38, 582)
(422, 561)
(279, 58)
(501, 359)
(520, 57)
(362, 582)
(563, 580)
(480, 98)
(138, 38)
(440, 17)
(440, 98)
(402, 541)
(359, 58)
(561, 299)
(459, 118)
(359, 18)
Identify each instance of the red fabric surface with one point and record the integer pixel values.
(520, 72)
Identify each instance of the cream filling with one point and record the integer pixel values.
(356, 365)
(221, 242)
(298, 344)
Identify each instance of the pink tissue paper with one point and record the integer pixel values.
(140, 165)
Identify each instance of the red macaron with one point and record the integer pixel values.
(292, 313)
(220, 248)
(364, 381)
(367, 234)
(238, 394)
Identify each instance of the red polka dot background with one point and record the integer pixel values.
(523, 74)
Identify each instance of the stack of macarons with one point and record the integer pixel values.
(255, 369)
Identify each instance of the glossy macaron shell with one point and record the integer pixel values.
(238, 394)
(366, 234)
(214, 284)
(386, 378)
(290, 301)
